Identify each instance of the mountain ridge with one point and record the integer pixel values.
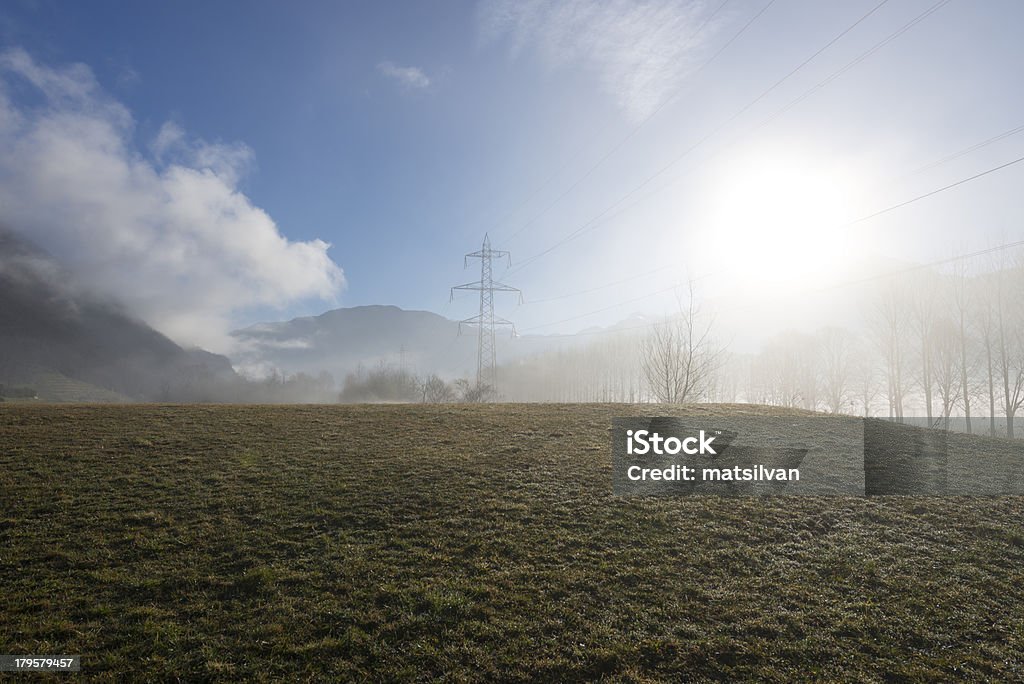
(342, 340)
(48, 332)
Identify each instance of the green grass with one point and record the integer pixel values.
(466, 543)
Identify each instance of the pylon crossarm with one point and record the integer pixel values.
(469, 321)
(469, 286)
(491, 253)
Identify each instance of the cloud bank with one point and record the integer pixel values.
(166, 231)
(409, 77)
(638, 51)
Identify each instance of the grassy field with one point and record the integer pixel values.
(468, 543)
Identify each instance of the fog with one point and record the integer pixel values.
(931, 341)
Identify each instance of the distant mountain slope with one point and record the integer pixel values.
(341, 340)
(52, 386)
(52, 336)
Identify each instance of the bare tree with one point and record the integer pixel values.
(784, 373)
(434, 390)
(471, 393)
(806, 367)
(923, 312)
(961, 302)
(945, 350)
(890, 323)
(984, 305)
(678, 358)
(1010, 340)
(836, 346)
(869, 380)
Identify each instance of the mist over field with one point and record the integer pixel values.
(783, 256)
(327, 332)
(935, 342)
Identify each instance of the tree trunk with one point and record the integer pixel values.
(926, 375)
(963, 371)
(991, 390)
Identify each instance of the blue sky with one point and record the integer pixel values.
(400, 132)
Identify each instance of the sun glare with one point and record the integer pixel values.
(776, 221)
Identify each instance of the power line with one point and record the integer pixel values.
(860, 58)
(930, 165)
(887, 182)
(920, 267)
(850, 224)
(859, 281)
(961, 153)
(601, 287)
(607, 308)
(934, 192)
(590, 224)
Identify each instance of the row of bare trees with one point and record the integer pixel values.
(936, 344)
(954, 342)
(605, 368)
(675, 360)
(933, 343)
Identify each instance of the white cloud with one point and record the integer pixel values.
(409, 77)
(229, 161)
(170, 236)
(638, 51)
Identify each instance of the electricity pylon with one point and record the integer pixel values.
(486, 320)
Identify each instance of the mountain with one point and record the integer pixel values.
(342, 340)
(75, 347)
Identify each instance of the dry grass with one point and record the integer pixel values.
(467, 543)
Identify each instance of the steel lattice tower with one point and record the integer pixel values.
(486, 357)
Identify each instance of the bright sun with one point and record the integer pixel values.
(776, 220)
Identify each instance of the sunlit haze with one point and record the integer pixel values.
(596, 142)
(512, 340)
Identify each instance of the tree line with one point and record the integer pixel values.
(934, 343)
